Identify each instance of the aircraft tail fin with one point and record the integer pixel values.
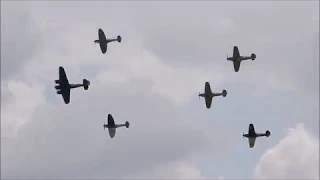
(268, 133)
(224, 93)
(253, 56)
(119, 39)
(127, 124)
(86, 84)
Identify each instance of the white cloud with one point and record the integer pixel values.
(296, 156)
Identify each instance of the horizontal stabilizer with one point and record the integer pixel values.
(253, 56)
(127, 124)
(224, 93)
(268, 133)
(86, 84)
(119, 39)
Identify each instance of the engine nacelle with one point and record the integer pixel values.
(59, 92)
(57, 81)
(127, 124)
(119, 39)
(268, 133)
(253, 56)
(57, 87)
(86, 84)
(224, 93)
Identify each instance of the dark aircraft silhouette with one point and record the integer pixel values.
(112, 126)
(236, 59)
(103, 41)
(64, 87)
(252, 135)
(208, 95)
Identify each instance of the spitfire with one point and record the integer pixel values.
(112, 126)
(103, 41)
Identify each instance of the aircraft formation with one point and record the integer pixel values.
(63, 87)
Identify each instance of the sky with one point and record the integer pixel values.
(152, 79)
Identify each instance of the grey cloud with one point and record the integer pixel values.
(73, 145)
(19, 40)
(285, 43)
(69, 141)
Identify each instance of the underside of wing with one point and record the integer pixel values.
(66, 95)
(112, 132)
(236, 53)
(252, 142)
(236, 65)
(207, 88)
(103, 47)
(62, 76)
(102, 36)
(208, 101)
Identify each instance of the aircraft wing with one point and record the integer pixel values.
(103, 47)
(208, 101)
(251, 142)
(112, 132)
(62, 76)
(236, 65)
(66, 95)
(207, 88)
(236, 53)
(64, 83)
(103, 41)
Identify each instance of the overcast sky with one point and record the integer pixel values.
(152, 79)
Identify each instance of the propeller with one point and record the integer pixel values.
(243, 135)
(199, 95)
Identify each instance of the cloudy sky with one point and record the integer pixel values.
(152, 79)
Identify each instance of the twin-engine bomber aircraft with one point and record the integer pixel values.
(208, 95)
(236, 59)
(64, 87)
(112, 126)
(252, 135)
(103, 41)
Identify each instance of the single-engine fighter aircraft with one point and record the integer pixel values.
(64, 87)
(208, 95)
(103, 41)
(236, 59)
(252, 135)
(112, 126)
